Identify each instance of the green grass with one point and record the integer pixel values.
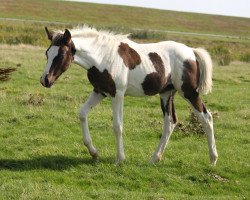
(42, 156)
(130, 17)
(41, 151)
(124, 19)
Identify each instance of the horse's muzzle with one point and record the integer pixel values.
(45, 82)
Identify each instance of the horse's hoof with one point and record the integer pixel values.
(95, 156)
(156, 158)
(120, 160)
(213, 159)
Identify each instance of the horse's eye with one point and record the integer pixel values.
(62, 55)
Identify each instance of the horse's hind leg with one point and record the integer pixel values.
(206, 119)
(92, 101)
(167, 105)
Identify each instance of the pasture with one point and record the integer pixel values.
(42, 156)
(127, 20)
(41, 151)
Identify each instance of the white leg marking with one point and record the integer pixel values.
(167, 130)
(92, 101)
(117, 104)
(206, 120)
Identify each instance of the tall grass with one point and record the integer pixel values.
(31, 33)
(245, 57)
(221, 54)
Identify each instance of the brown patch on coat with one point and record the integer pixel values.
(158, 63)
(169, 108)
(96, 91)
(190, 78)
(168, 85)
(130, 57)
(152, 84)
(155, 81)
(167, 88)
(57, 40)
(163, 107)
(101, 81)
(204, 108)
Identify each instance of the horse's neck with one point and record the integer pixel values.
(84, 55)
(91, 52)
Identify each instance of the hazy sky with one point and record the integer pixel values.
(221, 7)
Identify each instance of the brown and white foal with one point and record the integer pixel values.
(118, 66)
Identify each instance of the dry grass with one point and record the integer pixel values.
(5, 73)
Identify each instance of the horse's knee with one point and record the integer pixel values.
(83, 114)
(117, 128)
(209, 117)
(206, 118)
(86, 142)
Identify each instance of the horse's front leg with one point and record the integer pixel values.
(92, 101)
(117, 104)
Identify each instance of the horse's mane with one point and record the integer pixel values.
(87, 31)
(105, 44)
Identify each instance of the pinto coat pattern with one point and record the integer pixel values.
(118, 67)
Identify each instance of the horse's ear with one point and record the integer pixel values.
(49, 33)
(66, 36)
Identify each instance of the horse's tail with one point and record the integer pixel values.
(206, 70)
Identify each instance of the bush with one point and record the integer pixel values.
(145, 34)
(245, 57)
(221, 54)
(140, 35)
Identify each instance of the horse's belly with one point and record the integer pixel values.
(135, 80)
(134, 91)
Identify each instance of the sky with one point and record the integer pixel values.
(240, 8)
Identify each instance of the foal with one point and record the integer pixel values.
(118, 66)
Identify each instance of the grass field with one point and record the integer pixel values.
(42, 156)
(124, 19)
(41, 150)
(129, 17)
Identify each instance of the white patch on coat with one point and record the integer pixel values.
(51, 53)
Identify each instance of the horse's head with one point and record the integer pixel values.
(59, 56)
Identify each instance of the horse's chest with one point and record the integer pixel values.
(102, 81)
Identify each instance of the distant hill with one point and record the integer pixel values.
(198, 28)
(124, 16)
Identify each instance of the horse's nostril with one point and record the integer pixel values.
(46, 81)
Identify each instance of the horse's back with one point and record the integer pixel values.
(159, 62)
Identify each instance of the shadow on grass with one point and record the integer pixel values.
(51, 162)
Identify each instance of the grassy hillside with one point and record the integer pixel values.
(129, 17)
(125, 19)
(42, 156)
